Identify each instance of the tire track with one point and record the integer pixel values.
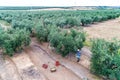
(36, 64)
(26, 69)
(15, 67)
(4, 74)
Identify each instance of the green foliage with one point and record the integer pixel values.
(61, 22)
(55, 38)
(71, 22)
(87, 43)
(119, 51)
(68, 45)
(41, 33)
(86, 20)
(105, 59)
(8, 19)
(13, 40)
(67, 41)
(25, 19)
(21, 24)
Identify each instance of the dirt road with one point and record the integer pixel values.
(38, 56)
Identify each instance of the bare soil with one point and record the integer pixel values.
(4, 26)
(106, 30)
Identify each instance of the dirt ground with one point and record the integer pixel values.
(107, 29)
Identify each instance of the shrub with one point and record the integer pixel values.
(61, 22)
(105, 59)
(41, 33)
(8, 19)
(86, 21)
(71, 22)
(67, 41)
(14, 40)
(87, 43)
(21, 24)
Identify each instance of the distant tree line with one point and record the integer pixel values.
(27, 7)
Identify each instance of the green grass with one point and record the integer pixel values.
(4, 23)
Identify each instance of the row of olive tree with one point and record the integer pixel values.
(59, 18)
(64, 41)
(105, 59)
(13, 40)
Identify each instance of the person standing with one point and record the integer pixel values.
(78, 54)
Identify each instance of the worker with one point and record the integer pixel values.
(78, 54)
